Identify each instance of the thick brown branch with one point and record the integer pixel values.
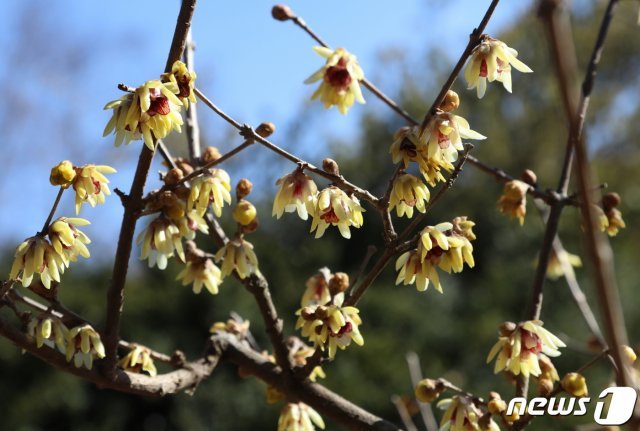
(115, 294)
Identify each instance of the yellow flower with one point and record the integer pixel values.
(37, 256)
(201, 271)
(238, 254)
(50, 332)
(446, 245)
(431, 167)
(62, 174)
(138, 360)
(90, 184)
(408, 192)
(575, 384)
(443, 136)
(296, 193)
(211, 188)
(184, 80)
(159, 241)
(317, 291)
(555, 269)
(330, 326)
(67, 240)
(518, 347)
(428, 390)
(491, 61)
(300, 352)
(299, 417)
(404, 146)
(244, 213)
(84, 345)
(513, 201)
(150, 113)
(333, 207)
(461, 414)
(341, 76)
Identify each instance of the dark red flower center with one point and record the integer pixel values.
(330, 216)
(338, 76)
(483, 68)
(531, 342)
(347, 328)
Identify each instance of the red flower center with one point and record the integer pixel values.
(159, 104)
(330, 216)
(483, 68)
(531, 342)
(338, 76)
(347, 328)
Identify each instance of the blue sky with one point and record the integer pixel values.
(64, 59)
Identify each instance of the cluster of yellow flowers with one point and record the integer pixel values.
(329, 207)
(446, 246)
(152, 111)
(49, 254)
(88, 181)
(461, 414)
(81, 343)
(138, 360)
(322, 317)
(299, 417)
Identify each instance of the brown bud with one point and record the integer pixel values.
(322, 312)
(266, 129)
(183, 164)
(507, 328)
(308, 313)
(485, 422)
(282, 12)
(338, 283)
(243, 188)
(529, 177)
(330, 166)
(610, 200)
(545, 387)
(210, 154)
(428, 390)
(173, 176)
(182, 192)
(451, 101)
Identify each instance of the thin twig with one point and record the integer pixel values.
(404, 414)
(115, 294)
(191, 124)
(415, 371)
(54, 207)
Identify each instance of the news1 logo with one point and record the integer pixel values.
(621, 405)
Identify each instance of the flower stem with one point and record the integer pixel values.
(52, 212)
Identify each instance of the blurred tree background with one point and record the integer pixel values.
(452, 333)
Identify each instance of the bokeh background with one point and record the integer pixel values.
(62, 63)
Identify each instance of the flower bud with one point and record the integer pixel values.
(610, 200)
(338, 283)
(545, 387)
(62, 174)
(266, 129)
(575, 384)
(330, 166)
(428, 390)
(210, 154)
(506, 329)
(282, 12)
(451, 101)
(173, 176)
(629, 354)
(244, 213)
(529, 177)
(243, 188)
(322, 312)
(308, 313)
(496, 406)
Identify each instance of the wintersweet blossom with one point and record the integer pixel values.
(238, 255)
(443, 136)
(36, 255)
(408, 192)
(405, 145)
(341, 76)
(446, 246)
(138, 360)
(62, 174)
(211, 188)
(555, 267)
(296, 193)
(491, 61)
(67, 240)
(83, 346)
(330, 326)
(159, 241)
(201, 271)
(513, 201)
(333, 207)
(151, 112)
(50, 332)
(519, 346)
(90, 184)
(184, 80)
(461, 414)
(317, 289)
(299, 417)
